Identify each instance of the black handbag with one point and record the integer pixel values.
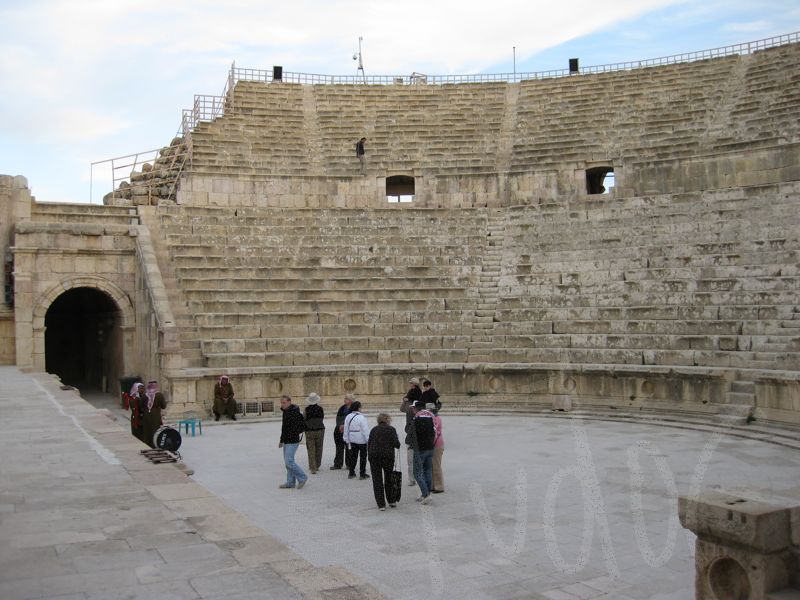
(395, 484)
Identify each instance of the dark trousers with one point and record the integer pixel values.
(353, 454)
(380, 468)
(338, 460)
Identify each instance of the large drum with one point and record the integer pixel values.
(167, 438)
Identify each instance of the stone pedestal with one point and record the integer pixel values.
(743, 549)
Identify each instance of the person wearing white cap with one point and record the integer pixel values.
(315, 431)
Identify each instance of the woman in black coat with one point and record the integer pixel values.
(383, 442)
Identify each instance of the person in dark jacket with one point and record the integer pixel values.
(136, 401)
(361, 155)
(429, 394)
(382, 443)
(423, 441)
(315, 431)
(153, 403)
(407, 407)
(224, 404)
(338, 432)
(292, 429)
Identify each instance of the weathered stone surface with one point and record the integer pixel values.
(734, 520)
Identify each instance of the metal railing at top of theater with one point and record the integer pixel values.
(207, 108)
(130, 170)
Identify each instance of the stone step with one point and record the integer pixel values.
(740, 398)
(743, 387)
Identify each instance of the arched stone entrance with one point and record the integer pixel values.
(82, 341)
(84, 328)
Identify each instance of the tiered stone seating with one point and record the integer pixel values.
(705, 279)
(655, 112)
(763, 101)
(263, 132)
(91, 214)
(708, 280)
(302, 287)
(449, 128)
(646, 114)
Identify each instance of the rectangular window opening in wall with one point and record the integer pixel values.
(401, 198)
(400, 188)
(599, 180)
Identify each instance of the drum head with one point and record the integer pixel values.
(167, 438)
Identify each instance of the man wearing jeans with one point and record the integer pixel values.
(292, 429)
(423, 442)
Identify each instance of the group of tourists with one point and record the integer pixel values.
(145, 404)
(357, 444)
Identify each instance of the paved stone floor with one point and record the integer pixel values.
(535, 508)
(84, 516)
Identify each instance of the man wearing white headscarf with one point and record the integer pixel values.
(154, 402)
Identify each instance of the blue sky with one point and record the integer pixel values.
(85, 80)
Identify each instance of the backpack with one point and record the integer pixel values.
(425, 432)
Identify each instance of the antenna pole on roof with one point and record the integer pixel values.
(360, 61)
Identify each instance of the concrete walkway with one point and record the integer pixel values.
(84, 516)
(534, 508)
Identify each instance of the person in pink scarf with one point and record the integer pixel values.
(153, 402)
(224, 404)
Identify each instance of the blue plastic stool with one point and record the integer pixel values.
(185, 423)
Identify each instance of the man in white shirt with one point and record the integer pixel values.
(355, 435)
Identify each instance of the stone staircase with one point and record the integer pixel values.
(187, 331)
(740, 401)
(482, 342)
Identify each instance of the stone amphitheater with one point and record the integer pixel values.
(508, 274)
(253, 247)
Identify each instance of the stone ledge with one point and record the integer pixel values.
(728, 518)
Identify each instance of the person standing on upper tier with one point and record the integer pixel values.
(315, 431)
(361, 154)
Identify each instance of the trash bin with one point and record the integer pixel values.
(125, 385)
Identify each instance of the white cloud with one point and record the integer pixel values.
(748, 27)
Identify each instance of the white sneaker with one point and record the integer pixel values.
(421, 498)
(426, 499)
(381, 508)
